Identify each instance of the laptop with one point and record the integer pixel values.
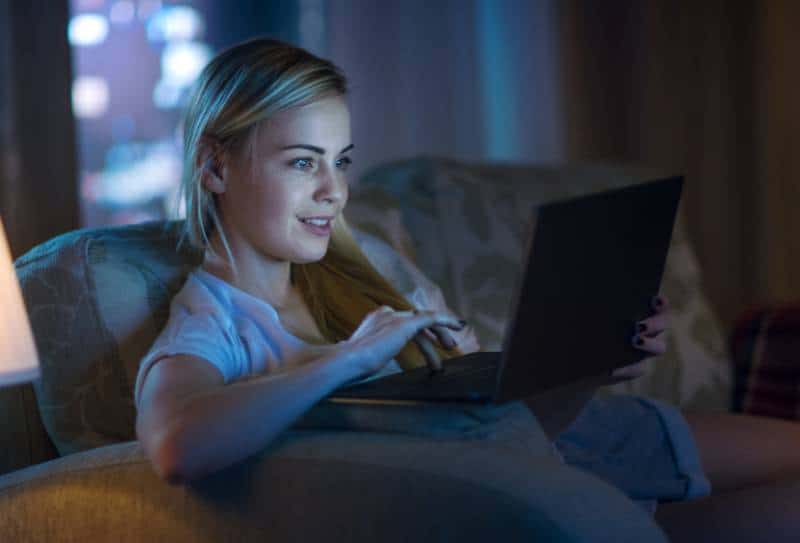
(591, 267)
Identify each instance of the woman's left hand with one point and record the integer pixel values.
(648, 337)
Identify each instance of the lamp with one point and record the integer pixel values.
(19, 362)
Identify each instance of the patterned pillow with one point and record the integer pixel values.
(466, 223)
(766, 351)
(97, 298)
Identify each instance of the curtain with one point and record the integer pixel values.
(38, 177)
(777, 128)
(469, 79)
(707, 89)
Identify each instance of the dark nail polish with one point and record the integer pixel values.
(657, 301)
(639, 342)
(641, 327)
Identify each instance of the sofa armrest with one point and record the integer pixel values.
(765, 347)
(323, 486)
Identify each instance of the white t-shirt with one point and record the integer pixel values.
(240, 334)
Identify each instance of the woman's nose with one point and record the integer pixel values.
(332, 187)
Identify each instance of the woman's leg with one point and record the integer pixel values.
(738, 451)
(768, 513)
(753, 464)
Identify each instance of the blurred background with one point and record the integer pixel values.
(91, 93)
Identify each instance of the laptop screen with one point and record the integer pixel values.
(593, 265)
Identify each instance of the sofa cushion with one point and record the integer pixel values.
(96, 299)
(765, 346)
(467, 223)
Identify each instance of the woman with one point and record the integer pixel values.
(285, 308)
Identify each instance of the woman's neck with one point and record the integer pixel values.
(266, 279)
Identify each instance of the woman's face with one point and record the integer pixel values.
(299, 158)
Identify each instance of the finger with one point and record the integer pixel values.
(653, 325)
(650, 345)
(630, 372)
(443, 336)
(430, 319)
(659, 304)
(430, 335)
(431, 356)
(652, 335)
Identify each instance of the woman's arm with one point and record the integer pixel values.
(191, 424)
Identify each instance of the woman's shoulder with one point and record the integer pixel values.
(207, 298)
(200, 294)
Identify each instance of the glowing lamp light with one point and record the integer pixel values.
(19, 362)
(87, 29)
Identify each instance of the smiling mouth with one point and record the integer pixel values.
(316, 222)
(320, 227)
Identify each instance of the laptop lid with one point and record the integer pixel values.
(592, 266)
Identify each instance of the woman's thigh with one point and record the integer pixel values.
(739, 451)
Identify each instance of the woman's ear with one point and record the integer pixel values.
(211, 165)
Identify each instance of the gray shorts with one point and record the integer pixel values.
(643, 447)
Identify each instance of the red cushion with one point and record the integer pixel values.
(766, 353)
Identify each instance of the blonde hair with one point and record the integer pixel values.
(241, 87)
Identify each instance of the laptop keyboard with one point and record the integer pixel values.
(459, 373)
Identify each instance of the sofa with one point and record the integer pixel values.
(443, 231)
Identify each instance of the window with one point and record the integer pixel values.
(134, 62)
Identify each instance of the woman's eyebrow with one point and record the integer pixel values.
(314, 148)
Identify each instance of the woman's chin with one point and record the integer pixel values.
(309, 257)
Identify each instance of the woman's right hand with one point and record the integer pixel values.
(384, 332)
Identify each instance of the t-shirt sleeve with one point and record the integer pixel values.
(196, 334)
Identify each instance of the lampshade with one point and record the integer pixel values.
(18, 360)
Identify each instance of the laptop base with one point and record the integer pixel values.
(470, 378)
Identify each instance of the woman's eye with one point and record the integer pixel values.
(343, 163)
(303, 163)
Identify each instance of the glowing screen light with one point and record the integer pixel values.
(90, 97)
(182, 62)
(87, 29)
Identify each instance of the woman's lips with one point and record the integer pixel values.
(317, 230)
